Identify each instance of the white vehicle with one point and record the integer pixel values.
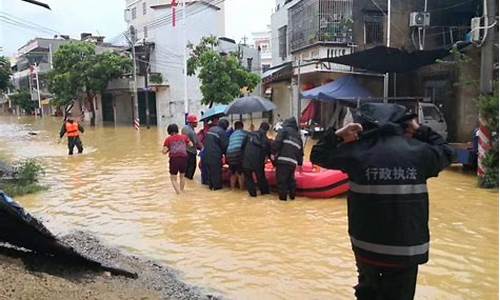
(428, 113)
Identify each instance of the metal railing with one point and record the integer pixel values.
(312, 21)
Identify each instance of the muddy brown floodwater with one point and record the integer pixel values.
(245, 248)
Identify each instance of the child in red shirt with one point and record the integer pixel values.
(176, 146)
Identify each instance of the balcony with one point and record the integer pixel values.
(320, 21)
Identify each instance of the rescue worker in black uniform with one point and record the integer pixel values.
(256, 149)
(216, 143)
(72, 130)
(388, 157)
(289, 151)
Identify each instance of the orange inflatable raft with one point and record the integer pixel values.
(314, 182)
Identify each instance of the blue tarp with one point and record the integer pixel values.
(345, 89)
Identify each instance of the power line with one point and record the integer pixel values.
(29, 22)
(22, 25)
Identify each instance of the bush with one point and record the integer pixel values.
(28, 171)
(26, 174)
(488, 109)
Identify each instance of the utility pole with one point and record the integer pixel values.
(386, 75)
(38, 91)
(488, 48)
(184, 45)
(146, 75)
(299, 100)
(51, 62)
(133, 40)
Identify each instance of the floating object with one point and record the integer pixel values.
(315, 182)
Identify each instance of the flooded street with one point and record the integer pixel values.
(243, 248)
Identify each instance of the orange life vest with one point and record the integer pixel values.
(72, 129)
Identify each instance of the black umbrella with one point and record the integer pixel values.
(383, 59)
(248, 105)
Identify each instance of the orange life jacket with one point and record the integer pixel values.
(72, 129)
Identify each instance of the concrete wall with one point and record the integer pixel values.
(282, 97)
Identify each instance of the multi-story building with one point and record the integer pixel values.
(305, 30)
(34, 60)
(161, 26)
(262, 41)
(30, 66)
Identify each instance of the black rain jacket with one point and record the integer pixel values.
(256, 148)
(388, 203)
(216, 143)
(288, 144)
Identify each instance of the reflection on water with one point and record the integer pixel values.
(245, 248)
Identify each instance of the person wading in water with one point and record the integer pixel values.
(72, 130)
(388, 157)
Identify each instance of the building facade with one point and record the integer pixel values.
(263, 42)
(32, 63)
(157, 23)
(305, 30)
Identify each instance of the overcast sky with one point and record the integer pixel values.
(105, 17)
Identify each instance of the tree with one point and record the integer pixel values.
(5, 73)
(23, 100)
(80, 74)
(222, 76)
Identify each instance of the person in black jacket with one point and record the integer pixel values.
(256, 149)
(289, 151)
(216, 143)
(388, 157)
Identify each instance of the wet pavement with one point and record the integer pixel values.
(244, 248)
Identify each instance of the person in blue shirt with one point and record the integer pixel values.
(234, 155)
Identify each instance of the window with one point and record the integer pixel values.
(431, 113)
(145, 31)
(134, 13)
(144, 8)
(282, 42)
(374, 29)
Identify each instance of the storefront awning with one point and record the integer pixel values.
(344, 89)
(278, 73)
(383, 59)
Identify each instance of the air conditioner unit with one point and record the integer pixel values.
(475, 25)
(420, 19)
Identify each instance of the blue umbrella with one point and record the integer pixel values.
(214, 112)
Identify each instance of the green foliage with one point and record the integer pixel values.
(23, 100)
(488, 110)
(222, 76)
(156, 78)
(79, 72)
(27, 173)
(5, 73)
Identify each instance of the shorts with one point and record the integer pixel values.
(177, 165)
(236, 169)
